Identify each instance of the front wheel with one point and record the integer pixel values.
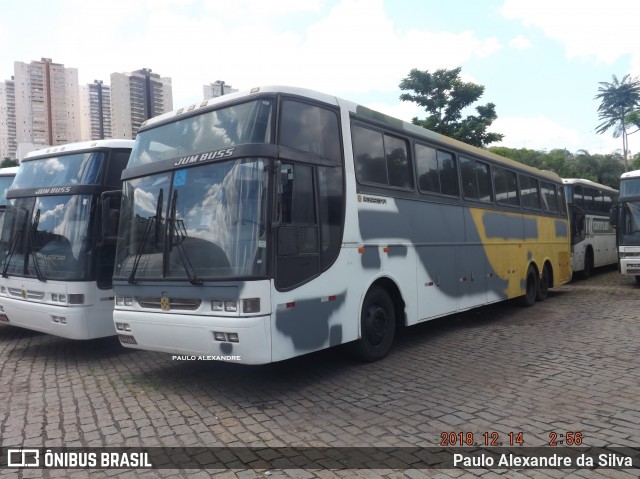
(378, 326)
(531, 288)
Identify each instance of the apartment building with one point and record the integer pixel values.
(8, 144)
(95, 101)
(136, 97)
(47, 104)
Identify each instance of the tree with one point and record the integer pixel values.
(6, 162)
(619, 105)
(444, 95)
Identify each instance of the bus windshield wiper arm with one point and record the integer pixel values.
(32, 235)
(14, 245)
(151, 221)
(179, 232)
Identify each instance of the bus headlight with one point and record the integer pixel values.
(124, 301)
(217, 305)
(231, 306)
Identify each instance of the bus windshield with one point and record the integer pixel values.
(5, 184)
(80, 168)
(47, 237)
(245, 123)
(206, 221)
(629, 226)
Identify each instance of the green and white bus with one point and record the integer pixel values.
(625, 216)
(264, 225)
(593, 240)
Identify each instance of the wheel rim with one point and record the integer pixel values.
(377, 325)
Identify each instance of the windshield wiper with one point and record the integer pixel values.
(32, 235)
(179, 232)
(14, 245)
(151, 221)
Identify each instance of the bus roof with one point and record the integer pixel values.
(9, 171)
(630, 174)
(79, 146)
(358, 110)
(583, 181)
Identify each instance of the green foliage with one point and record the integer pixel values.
(7, 162)
(444, 95)
(604, 169)
(618, 110)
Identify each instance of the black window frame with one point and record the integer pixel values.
(383, 133)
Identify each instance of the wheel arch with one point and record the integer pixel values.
(391, 287)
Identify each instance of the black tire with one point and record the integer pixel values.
(638, 279)
(588, 265)
(544, 283)
(531, 291)
(378, 326)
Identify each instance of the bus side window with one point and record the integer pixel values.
(529, 192)
(380, 158)
(506, 185)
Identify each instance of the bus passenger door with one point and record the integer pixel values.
(297, 236)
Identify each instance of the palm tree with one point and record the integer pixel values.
(618, 100)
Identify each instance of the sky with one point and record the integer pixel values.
(540, 61)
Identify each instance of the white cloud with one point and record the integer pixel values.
(587, 28)
(351, 49)
(538, 133)
(520, 43)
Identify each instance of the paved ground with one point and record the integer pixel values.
(570, 363)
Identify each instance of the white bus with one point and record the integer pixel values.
(6, 178)
(56, 268)
(263, 225)
(626, 218)
(593, 240)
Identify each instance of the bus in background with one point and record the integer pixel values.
(264, 225)
(625, 217)
(593, 240)
(56, 268)
(6, 178)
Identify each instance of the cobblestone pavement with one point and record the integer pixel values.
(569, 363)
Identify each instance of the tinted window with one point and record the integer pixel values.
(476, 181)
(549, 200)
(330, 188)
(117, 163)
(380, 158)
(506, 186)
(436, 171)
(368, 150)
(529, 192)
(310, 128)
(397, 162)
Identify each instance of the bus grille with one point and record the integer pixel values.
(26, 294)
(176, 304)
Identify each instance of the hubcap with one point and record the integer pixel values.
(376, 323)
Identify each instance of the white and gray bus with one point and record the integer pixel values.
(593, 240)
(626, 218)
(263, 225)
(56, 268)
